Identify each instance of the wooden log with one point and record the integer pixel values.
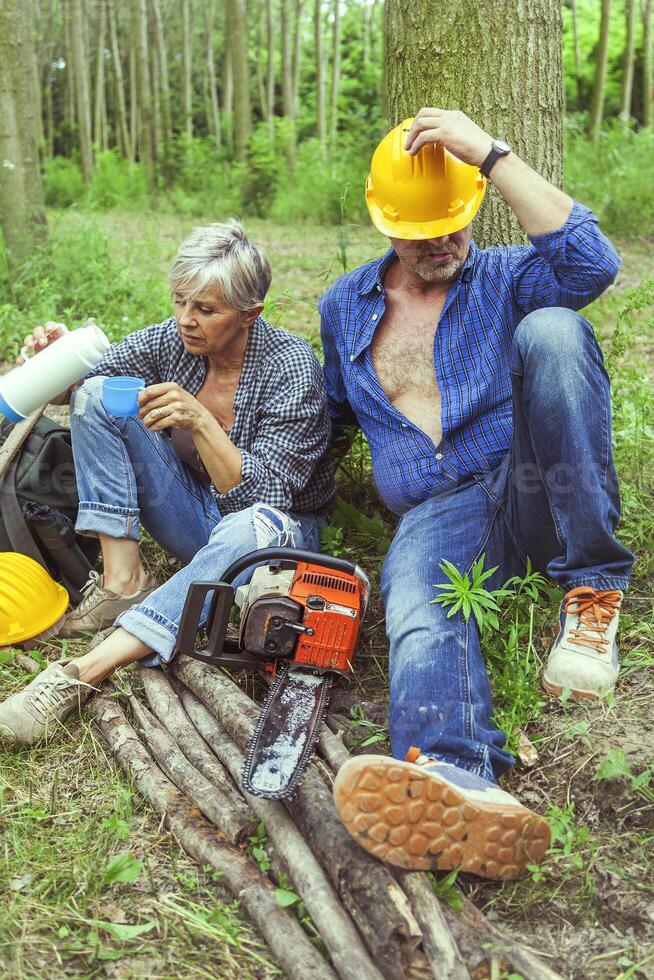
(344, 945)
(208, 799)
(165, 704)
(257, 895)
(372, 896)
(440, 948)
(488, 948)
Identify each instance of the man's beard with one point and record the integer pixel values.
(436, 271)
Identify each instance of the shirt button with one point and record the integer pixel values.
(378, 288)
(374, 316)
(351, 357)
(439, 455)
(405, 425)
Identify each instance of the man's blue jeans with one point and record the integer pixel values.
(128, 476)
(554, 498)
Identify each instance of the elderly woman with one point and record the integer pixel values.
(228, 454)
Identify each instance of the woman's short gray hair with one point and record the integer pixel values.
(222, 255)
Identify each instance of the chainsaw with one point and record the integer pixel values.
(300, 617)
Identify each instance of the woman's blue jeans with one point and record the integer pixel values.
(128, 477)
(554, 498)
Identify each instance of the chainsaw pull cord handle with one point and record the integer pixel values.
(294, 555)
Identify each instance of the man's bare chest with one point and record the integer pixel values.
(403, 355)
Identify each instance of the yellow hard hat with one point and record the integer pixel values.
(423, 196)
(30, 601)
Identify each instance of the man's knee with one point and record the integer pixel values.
(551, 332)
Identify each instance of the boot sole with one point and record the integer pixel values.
(575, 694)
(418, 821)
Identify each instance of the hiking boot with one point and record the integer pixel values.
(423, 814)
(584, 658)
(100, 607)
(34, 712)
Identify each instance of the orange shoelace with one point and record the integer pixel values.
(595, 609)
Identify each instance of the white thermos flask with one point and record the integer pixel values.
(52, 370)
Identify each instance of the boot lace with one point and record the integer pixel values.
(595, 609)
(51, 695)
(88, 591)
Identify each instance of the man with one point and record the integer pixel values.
(486, 405)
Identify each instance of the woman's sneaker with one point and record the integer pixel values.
(100, 607)
(423, 814)
(584, 658)
(32, 714)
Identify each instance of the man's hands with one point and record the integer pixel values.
(453, 130)
(42, 337)
(168, 405)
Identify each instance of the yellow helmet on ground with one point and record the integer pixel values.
(423, 196)
(30, 601)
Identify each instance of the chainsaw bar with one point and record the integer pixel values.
(285, 735)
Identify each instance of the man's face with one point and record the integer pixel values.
(434, 259)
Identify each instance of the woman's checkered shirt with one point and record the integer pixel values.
(280, 411)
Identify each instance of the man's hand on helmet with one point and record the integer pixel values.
(453, 130)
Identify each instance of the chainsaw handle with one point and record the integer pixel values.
(217, 618)
(288, 554)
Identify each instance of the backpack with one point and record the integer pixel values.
(38, 506)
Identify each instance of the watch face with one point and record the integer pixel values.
(502, 146)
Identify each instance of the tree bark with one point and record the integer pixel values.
(238, 52)
(213, 109)
(270, 69)
(599, 86)
(648, 94)
(577, 53)
(256, 894)
(164, 86)
(187, 67)
(99, 108)
(628, 70)
(122, 129)
(133, 96)
(336, 71)
(445, 57)
(321, 109)
(297, 58)
(147, 147)
(288, 98)
(36, 72)
(22, 213)
(82, 89)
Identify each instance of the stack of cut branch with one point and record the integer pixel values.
(186, 760)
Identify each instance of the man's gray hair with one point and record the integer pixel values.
(222, 255)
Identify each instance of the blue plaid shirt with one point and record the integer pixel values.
(495, 289)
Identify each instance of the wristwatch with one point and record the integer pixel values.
(498, 149)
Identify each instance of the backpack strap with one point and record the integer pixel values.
(18, 532)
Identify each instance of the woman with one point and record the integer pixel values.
(228, 454)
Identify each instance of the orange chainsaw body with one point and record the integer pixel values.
(333, 604)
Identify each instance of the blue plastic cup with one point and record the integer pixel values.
(120, 395)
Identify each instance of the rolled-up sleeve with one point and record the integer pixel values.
(292, 436)
(569, 267)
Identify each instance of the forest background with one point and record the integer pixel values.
(137, 119)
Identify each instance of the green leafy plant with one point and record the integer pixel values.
(122, 867)
(465, 593)
(615, 766)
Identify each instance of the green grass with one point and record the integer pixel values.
(67, 814)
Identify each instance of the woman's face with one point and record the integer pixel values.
(208, 326)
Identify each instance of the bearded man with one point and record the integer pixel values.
(486, 404)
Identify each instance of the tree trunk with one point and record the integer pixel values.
(628, 71)
(213, 109)
(599, 86)
(98, 114)
(238, 49)
(524, 103)
(82, 89)
(336, 70)
(22, 213)
(297, 58)
(164, 86)
(71, 113)
(270, 76)
(133, 97)
(577, 54)
(122, 129)
(36, 74)
(648, 94)
(321, 113)
(228, 88)
(288, 97)
(147, 147)
(155, 76)
(187, 66)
